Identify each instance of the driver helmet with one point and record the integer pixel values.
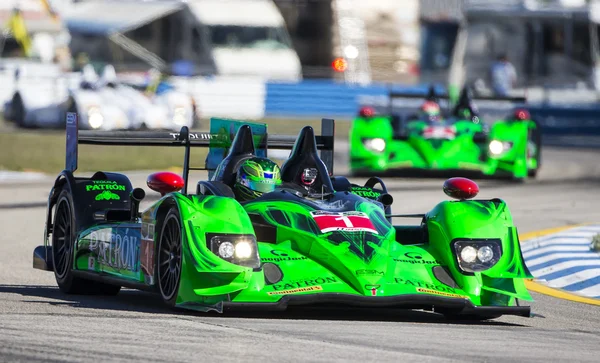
(256, 176)
(431, 110)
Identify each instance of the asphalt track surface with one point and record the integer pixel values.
(38, 323)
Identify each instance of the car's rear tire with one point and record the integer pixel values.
(169, 257)
(63, 242)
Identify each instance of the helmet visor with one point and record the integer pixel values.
(263, 186)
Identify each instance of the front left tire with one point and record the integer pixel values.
(63, 245)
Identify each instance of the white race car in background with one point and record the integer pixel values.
(102, 103)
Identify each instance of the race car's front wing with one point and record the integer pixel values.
(441, 304)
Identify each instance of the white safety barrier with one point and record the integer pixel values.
(226, 97)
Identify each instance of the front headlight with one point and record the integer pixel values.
(179, 116)
(498, 147)
(95, 118)
(240, 249)
(376, 144)
(478, 254)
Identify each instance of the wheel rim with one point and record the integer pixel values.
(169, 260)
(61, 248)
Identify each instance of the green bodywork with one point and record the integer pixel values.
(466, 148)
(387, 263)
(337, 247)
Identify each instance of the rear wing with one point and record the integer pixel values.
(396, 102)
(412, 100)
(218, 143)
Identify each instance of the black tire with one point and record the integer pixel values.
(18, 111)
(532, 173)
(63, 242)
(169, 257)
(535, 136)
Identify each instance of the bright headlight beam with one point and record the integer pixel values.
(243, 249)
(468, 254)
(485, 254)
(376, 144)
(496, 147)
(95, 120)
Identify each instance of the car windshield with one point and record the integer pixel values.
(255, 37)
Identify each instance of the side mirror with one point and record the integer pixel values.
(521, 115)
(165, 182)
(460, 188)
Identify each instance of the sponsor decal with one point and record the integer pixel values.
(343, 221)
(304, 283)
(107, 195)
(104, 185)
(367, 194)
(369, 272)
(416, 258)
(71, 118)
(91, 263)
(195, 136)
(440, 293)
(117, 250)
(281, 256)
(147, 251)
(293, 291)
(364, 192)
(424, 285)
(373, 289)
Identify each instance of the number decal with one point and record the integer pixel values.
(343, 221)
(439, 132)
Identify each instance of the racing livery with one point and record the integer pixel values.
(458, 143)
(315, 239)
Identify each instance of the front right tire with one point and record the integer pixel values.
(169, 257)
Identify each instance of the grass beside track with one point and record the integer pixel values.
(44, 150)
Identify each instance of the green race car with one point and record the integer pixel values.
(459, 143)
(303, 237)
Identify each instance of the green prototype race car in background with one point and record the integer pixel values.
(459, 143)
(316, 239)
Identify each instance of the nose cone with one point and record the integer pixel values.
(363, 258)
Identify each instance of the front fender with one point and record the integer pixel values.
(205, 276)
(514, 159)
(480, 219)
